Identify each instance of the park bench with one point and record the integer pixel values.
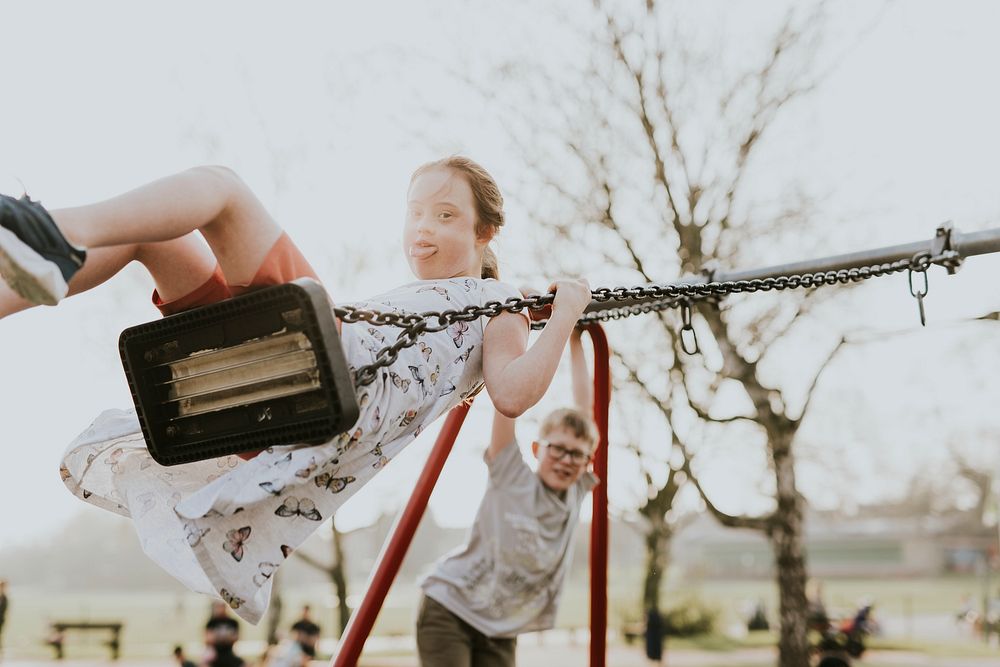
(57, 634)
(633, 631)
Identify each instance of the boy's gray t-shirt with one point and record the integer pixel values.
(508, 576)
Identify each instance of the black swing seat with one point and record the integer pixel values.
(262, 369)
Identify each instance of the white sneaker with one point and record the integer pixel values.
(36, 260)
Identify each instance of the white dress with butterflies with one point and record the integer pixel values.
(224, 526)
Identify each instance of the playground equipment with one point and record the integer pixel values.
(947, 248)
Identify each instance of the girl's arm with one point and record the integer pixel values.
(517, 376)
(504, 427)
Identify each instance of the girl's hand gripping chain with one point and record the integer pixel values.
(573, 294)
(572, 297)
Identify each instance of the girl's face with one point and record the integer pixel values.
(439, 237)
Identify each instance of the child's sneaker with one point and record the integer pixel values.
(36, 260)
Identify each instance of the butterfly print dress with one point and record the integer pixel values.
(223, 526)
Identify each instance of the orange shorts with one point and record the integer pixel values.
(283, 263)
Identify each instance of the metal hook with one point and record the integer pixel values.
(920, 293)
(920, 307)
(913, 291)
(689, 343)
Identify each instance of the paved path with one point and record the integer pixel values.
(623, 656)
(533, 655)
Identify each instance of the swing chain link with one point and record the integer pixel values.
(655, 298)
(688, 338)
(921, 262)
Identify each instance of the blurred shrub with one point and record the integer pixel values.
(689, 618)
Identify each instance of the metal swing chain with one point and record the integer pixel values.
(658, 297)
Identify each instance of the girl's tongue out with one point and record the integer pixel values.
(422, 250)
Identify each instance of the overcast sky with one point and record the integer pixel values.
(313, 103)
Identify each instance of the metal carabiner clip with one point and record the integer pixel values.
(689, 339)
(919, 294)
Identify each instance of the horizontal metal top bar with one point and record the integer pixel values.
(967, 245)
(976, 243)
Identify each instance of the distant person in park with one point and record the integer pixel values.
(221, 634)
(306, 632)
(507, 578)
(3, 609)
(965, 608)
(832, 652)
(856, 629)
(818, 619)
(300, 648)
(180, 659)
(832, 655)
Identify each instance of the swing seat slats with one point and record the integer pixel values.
(259, 370)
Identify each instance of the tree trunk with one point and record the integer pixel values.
(657, 558)
(339, 578)
(274, 611)
(785, 533)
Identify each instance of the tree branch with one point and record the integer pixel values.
(763, 341)
(815, 380)
(757, 523)
(764, 113)
(313, 562)
(728, 520)
(673, 131)
(704, 414)
(649, 130)
(607, 215)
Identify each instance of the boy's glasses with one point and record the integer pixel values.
(557, 452)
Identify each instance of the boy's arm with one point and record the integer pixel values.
(583, 394)
(502, 435)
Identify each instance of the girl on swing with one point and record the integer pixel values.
(224, 526)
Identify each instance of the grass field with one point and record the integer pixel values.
(917, 615)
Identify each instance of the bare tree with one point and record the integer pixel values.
(335, 570)
(664, 475)
(274, 610)
(639, 161)
(660, 528)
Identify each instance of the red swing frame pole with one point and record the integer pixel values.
(391, 558)
(599, 524)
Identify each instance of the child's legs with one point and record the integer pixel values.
(283, 263)
(443, 640)
(212, 200)
(494, 651)
(178, 268)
